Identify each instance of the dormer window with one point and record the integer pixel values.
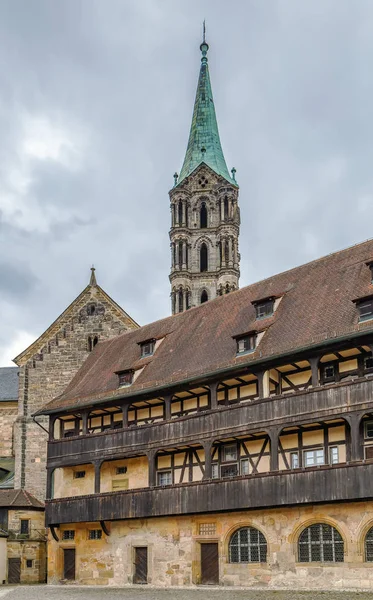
(370, 265)
(246, 343)
(147, 348)
(264, 308)
(125, 378)
(365, 309)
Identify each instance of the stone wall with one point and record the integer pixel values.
(46, 373)
(8, 416)
(174, 549)
(28, 548)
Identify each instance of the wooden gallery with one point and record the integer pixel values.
(229, 444)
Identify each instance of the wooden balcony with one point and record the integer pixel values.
(315, 404)
(340, 483)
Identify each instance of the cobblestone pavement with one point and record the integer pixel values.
(149, 593)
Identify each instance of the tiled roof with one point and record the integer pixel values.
(8, 383)
(18, 499)
(316, 306)
(7, 465)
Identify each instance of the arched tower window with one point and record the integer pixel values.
(203, 216)
(173, 302)
(320, 543)
(180, 298)
(204, 297)
(180, 254)
(247, 545)
(225, 208)
(180, 212)
(203, 258)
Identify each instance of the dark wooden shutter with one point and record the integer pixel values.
(14, 570)
(69, 563)
(141, 565)
(369, 452)
(209, 564)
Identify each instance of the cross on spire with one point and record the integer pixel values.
(93, 282)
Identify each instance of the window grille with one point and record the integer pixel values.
(165, 478)
(95, 534)
(320, 543)
(247, 545)
(79, 474)
(229, 470)
(207, 529)
(369, 545)
(334, 455)
(68, 534)
(229, 453)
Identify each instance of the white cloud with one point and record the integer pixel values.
(20, 341)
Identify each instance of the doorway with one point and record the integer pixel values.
(141, 566)
(14, 570)
(209, 564)
(69, 564)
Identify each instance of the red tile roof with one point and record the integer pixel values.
(19, 499)
(316, 306)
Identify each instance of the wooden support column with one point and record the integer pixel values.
(97, 464)
(208, 459)
(314, 362)
(125, 409)
(52, 421)
(273, 436)
(356, 447)
(152, 455)
(214, 395)
(260, 377)
(167, 407)
(49, 490)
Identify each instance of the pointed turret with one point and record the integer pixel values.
(92, 281)
(204, 142)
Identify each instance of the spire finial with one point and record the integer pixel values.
(93, 282)
(176, 177)
(204, 46)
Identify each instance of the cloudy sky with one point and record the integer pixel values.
(96, 98)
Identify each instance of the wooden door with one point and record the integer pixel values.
(209, 564)
(141, 565)
(14, 570)
(69, 563)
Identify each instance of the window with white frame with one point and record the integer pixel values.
(229, 453)
(164, 478)
(215, 471)
(294, 460)
(246, 343)
(333, 455)
(245, 466)
(368, 427)
(312, 458)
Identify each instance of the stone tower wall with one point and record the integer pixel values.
(46, 374)
(220, 235)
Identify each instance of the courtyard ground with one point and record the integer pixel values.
(149, 593)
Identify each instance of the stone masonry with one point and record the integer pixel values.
(47, 367)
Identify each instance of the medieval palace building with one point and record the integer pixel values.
(230, 443)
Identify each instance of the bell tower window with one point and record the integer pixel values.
(203, 258)
(203, 216)
(204, 297)
(180, 213)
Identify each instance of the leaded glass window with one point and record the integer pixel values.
(369, 545)
(320, 543)
(247, 545)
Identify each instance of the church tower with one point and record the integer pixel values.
(205, 217)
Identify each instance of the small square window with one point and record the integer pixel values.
(25, 526)
(68, 534)
(29, 563)
(229, 470)
(147, 348)
(334, 455)
(264, 309)
(368, 363)
(294, 460)
(164, 478)
(94, 534)
(121, 470)
(245, 466)
(246, 343)
(215, 471)
(125, 378)
(229, 452)
(365, 309)
(328, 372)
(207, 529)
(369, 430)
(79, 474)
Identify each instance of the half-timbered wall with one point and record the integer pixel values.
(184, 466)
(144, 412)
(190, 402)
(238, 389)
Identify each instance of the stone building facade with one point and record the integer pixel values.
(48, 366)
(205, 216)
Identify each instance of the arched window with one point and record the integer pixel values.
(225, 208)
(180, 212)
(187, 300)
(203, 216)
(203, 259)
(320, 543)
(180, 254)
(204, 297)
(369, 546)
(247, 545)
(181, 303)
(95, 341)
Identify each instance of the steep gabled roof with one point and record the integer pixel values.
(204, 144)
(65, 317)
(19, 499)
(8, 384)
(316, 306)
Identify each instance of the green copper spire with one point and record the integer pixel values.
(204, 142)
